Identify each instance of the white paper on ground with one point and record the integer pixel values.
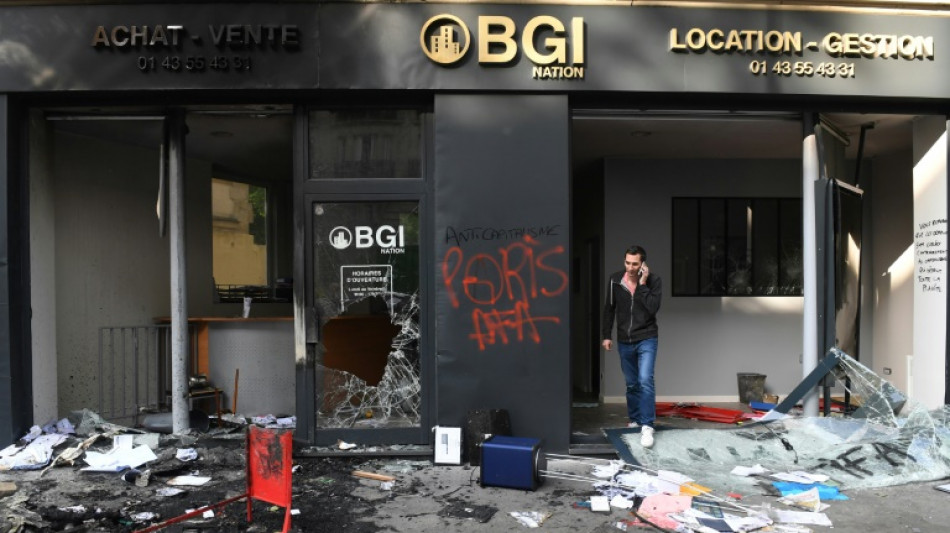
(599, 504)
(189, 480)
(749, 523)
(168, 491)
(620, 502)
(530, 518)
(118, 459)
(806, 478)
(123, 442)
(808, 500)
(802, 517)
(747, 471)
(186, 454)
(34, 455)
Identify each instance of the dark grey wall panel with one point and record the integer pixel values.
(502, 252)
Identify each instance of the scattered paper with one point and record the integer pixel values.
(808, 500)
(208, 514)
(800, 477)
(826, 492)
(530, 518)
(749, 523)
(802, 517)
(144, 516)
(657, 507)
(186, 454)
(345, 445)
(294, 512)
(600, 504)
(620, 502)
(747, 471)
(168, 491)
(34, 455)
(118, 459)
(193, 481)
(387, 485)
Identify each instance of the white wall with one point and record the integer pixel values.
(928, 373)
(891, 267)
(703, 342)
(111, 264)
(42, 271)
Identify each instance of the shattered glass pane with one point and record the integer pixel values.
(366, 293)
(349, 401)
(889, 440)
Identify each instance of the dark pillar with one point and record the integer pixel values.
(502, 231)
(16, 382)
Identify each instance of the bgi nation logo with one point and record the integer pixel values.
(341, 238)
(556, 49)
(448, 39)
(390, 240)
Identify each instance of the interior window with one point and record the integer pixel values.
(737, 247)
(240, 243)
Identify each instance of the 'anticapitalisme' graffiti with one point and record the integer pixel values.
(500, 287)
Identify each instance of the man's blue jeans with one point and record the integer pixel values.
(637, 361)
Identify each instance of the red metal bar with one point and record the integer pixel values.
(186, 516)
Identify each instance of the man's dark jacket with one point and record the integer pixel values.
(635, 313)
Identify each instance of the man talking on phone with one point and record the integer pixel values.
(632, 300)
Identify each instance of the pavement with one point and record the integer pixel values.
(423, 497)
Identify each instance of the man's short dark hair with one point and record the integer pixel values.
(636, 250)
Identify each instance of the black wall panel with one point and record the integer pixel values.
(502, 252)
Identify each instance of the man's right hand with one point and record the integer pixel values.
(607, 344)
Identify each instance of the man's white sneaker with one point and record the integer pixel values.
(633, 425)
(646, 437)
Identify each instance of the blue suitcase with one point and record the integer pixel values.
(513, 462)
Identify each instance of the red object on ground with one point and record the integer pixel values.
(699, 412)
(269, 477)
(269, 464)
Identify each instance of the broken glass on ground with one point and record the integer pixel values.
(879, 449)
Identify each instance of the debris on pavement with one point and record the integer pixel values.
(530, 518)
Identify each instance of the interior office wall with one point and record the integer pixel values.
(892, 267)
(703, 341)
(111, 265)
(42, 271)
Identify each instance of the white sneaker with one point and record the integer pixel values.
(633, 425)
(646, 437)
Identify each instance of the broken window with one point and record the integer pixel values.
(366, 294)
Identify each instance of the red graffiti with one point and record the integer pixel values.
(502, 287)
(497, 323)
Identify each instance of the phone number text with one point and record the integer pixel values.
(805, 69)
(194, 63)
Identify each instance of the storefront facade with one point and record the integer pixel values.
(429, 182)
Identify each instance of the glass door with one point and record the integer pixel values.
(366, 304)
